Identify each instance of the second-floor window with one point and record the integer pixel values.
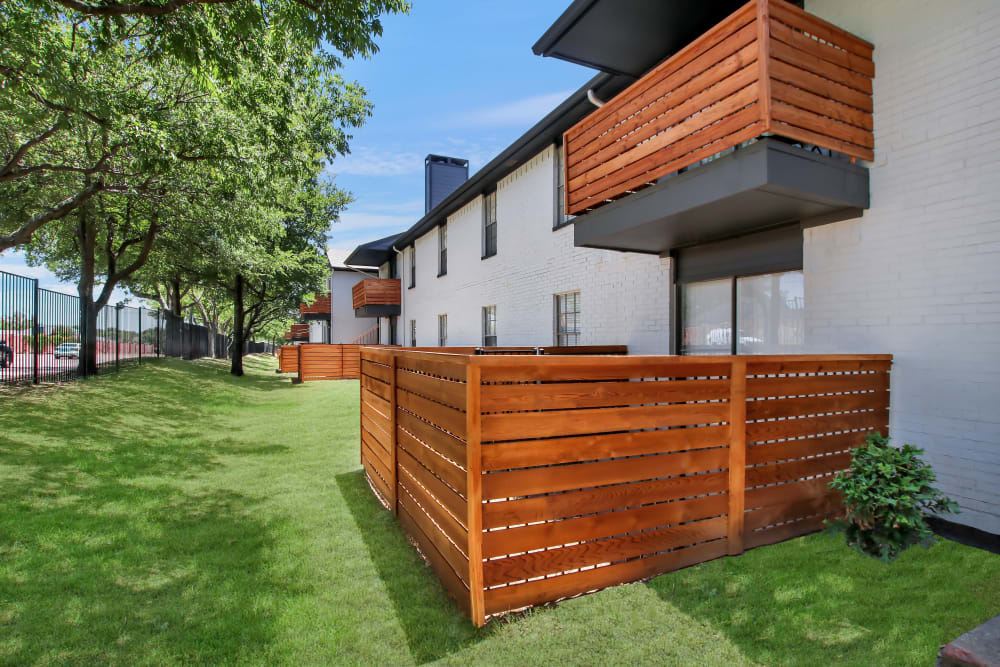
(567, 316)
(413, 333)
(490, 225)
(561, 217)
(443, 330)
(489, 326)
(413, 266)
(443, 249)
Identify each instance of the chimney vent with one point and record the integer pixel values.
(442, 175)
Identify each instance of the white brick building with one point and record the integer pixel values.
(916, 273)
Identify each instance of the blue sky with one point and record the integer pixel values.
(453, 77)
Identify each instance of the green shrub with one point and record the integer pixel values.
(887, 493)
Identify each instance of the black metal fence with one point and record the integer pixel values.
(41, 339)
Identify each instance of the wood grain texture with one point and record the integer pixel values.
(376, 292)
(770, 67)
(526, 479)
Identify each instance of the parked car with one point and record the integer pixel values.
(6, 355)
(67, 351)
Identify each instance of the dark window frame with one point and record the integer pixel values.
(734, 279)
(490, 225)
(489, 318)
(562, 338)
(413, 267)
(560, 217)
(442, 250)
(413, 333)
(443, 330)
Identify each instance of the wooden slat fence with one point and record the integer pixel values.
(527, 479)
(288, 359)
(770, 67)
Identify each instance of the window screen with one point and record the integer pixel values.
(567, 308)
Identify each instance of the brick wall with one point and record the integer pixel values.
(624, 296)
(919, 274)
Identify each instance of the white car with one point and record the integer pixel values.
(67, 351)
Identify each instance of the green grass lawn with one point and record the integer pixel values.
(176, 514)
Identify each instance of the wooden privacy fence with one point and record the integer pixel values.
(770, 67)
(527, 479)
(288, 359)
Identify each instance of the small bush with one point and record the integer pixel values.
(887, 493)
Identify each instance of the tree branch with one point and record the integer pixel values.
(15, 159)
(23, 235)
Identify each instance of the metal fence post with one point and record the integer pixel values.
(158, 334)
(140, 335)
(34, 337)
(118, 345)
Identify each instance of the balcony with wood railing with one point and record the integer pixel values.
(321, 306)
(769, 69)
(376, 297)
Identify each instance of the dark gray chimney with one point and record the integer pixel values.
(441, 176)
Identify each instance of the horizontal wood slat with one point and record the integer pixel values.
(517, 596)
(527, 453)
(508, 426)
(505, 397)
(596, 526)
(376, 292)
(551, 561)
(605, 499)
(769, 67)
(514, 483)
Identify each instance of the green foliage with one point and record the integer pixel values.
(887, 493)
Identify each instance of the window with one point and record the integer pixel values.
(442, 250)
(393, 266)
(413, 266)
(443, 330)
(490, 225)
(489, 326)
(393, 326)
(413, 333)
(560, 178)
(567, 307)
(767, 311)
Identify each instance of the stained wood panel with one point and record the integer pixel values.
(525, 479)
(288, 359)
(376, 292)
(770, 67)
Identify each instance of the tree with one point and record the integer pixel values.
(75, 121)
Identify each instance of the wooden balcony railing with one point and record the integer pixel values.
(298, 332)
(376, 292)
(321, 306)
(770, 67)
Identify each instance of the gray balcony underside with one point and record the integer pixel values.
(766, 184)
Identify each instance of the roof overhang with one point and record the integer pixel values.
(372, 254)
(377, 311)
(629, 36)
(763, 185)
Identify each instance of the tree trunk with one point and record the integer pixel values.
(239, 334)
(87, 363)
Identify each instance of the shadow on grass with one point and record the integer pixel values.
(812, 600)
(433, 623)
(104, 558)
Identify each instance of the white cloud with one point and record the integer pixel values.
(366, 161)
(523, 112)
